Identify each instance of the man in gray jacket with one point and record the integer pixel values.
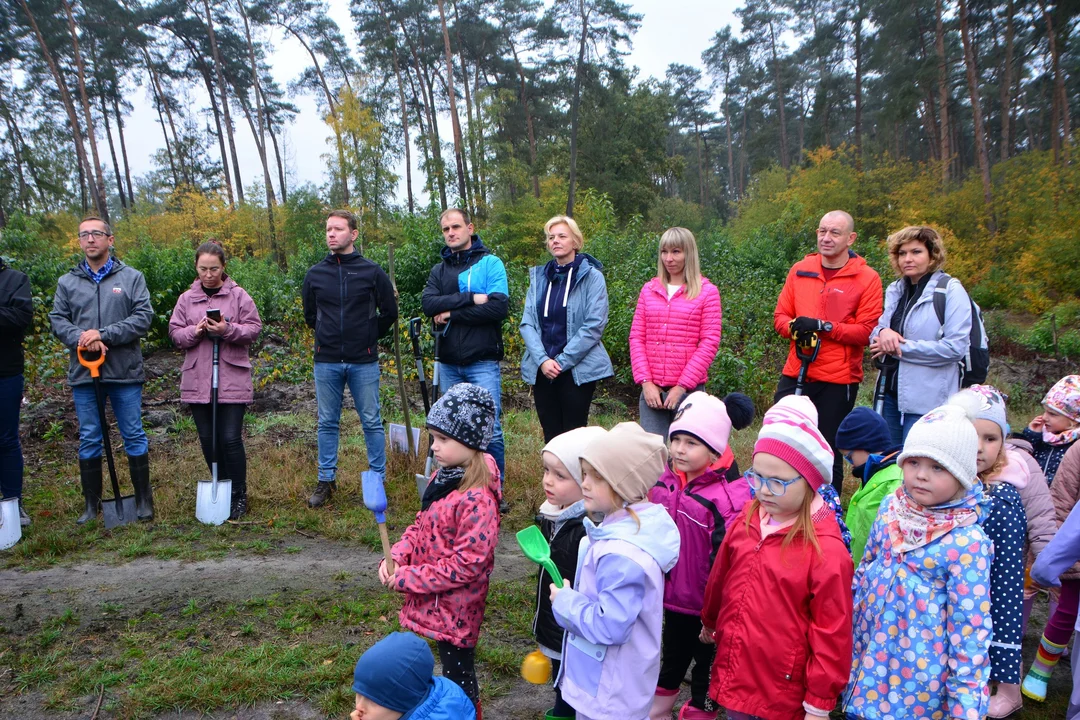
(102, 305)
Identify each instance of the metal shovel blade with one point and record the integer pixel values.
(118, 511)
(536, 548)
(10, 529)
(213, 501)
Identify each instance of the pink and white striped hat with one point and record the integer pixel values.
(789, 431)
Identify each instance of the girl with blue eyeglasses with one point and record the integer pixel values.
(778, 601)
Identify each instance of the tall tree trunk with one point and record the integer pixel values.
(785, 162)
(459, 150)
(205, 70)
(18, 152)
(477, 192)
(65, 97)
(858, 86)
(123, 144)
(742, 154)
(528, 121)
(976, 107)
(1006, 82)
(700, 165)
(220, 73)
(112, 152)
(575, 109)
(260, 116)
(280, 164)
(1060, 119)
(99, 177)
(165, 133)
(943, 90)
(163, 107)
(404, 123)
(436, 140)
(480, 147)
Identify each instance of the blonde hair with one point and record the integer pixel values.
(928, 236)
(575, 231)
(683, 239)
(616, 498)
(804, 521)
(477, 473)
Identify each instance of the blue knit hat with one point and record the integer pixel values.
(863, 429)
(395, 672)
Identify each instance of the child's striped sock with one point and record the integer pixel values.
(1038, 676)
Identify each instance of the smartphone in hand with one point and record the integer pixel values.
(214, 314)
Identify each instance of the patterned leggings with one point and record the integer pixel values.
(459, 665)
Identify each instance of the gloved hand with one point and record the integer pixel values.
(803, 324)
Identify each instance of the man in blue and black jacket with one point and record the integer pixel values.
(468, 297)
(350, 303)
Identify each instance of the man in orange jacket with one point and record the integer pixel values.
(834, 293)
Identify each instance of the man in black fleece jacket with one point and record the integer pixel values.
(350, 303)
(16, 315)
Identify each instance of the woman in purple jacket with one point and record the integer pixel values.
(192, 329)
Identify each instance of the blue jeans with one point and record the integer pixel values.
(899, 425)
(11, 459)
(486, 374)
(126, 401)
(363, 381)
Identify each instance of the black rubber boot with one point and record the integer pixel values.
(239, 507)
(140, 479)
(90, 477)
(322, 493)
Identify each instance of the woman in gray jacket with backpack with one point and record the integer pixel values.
(921, 354)
(566, 311)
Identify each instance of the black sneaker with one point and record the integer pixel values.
(504, 507)
(239, 508)
(322, 493)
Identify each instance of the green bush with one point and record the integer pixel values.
(1065, 320)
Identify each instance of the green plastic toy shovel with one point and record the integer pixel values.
(536, 548)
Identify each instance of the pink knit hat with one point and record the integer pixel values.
(1064, 397)
(789, 431)
(710, 419)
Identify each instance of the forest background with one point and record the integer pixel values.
(957, 114)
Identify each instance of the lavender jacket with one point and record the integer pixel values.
(234, 371)
(1060, 553)
(614, 613)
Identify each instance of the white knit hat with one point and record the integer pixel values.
(789, 431)
(947, 436)
(569, 446)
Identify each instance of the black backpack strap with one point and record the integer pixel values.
(940, 291)
(719, 526)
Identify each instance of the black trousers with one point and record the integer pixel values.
(459, 665)
(561, 404)
(681, 645)
(232, 457)
(833, 402)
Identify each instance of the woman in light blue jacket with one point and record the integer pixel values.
(566, 310)
(920, 354)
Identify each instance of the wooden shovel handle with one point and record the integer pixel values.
(390, 567)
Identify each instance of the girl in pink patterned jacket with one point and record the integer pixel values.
(444, 560)
(675, 332)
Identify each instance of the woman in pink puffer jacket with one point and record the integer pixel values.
(676, 331)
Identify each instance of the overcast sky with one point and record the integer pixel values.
(671, 31)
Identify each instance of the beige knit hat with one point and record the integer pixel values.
(629, 459)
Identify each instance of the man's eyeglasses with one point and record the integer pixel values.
(96, 234)
(776, 485)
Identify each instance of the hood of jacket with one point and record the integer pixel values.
(1016, 471)
(445, 701)
(658, 535)
(337, 258)
(117, 264)
(465, 257)
(560, 515)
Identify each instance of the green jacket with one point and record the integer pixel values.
(862, 509)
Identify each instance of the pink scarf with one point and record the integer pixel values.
(1062, 438)
(911, 526)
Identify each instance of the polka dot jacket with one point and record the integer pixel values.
(922, 626)
(445, 560)
(1007, 528)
